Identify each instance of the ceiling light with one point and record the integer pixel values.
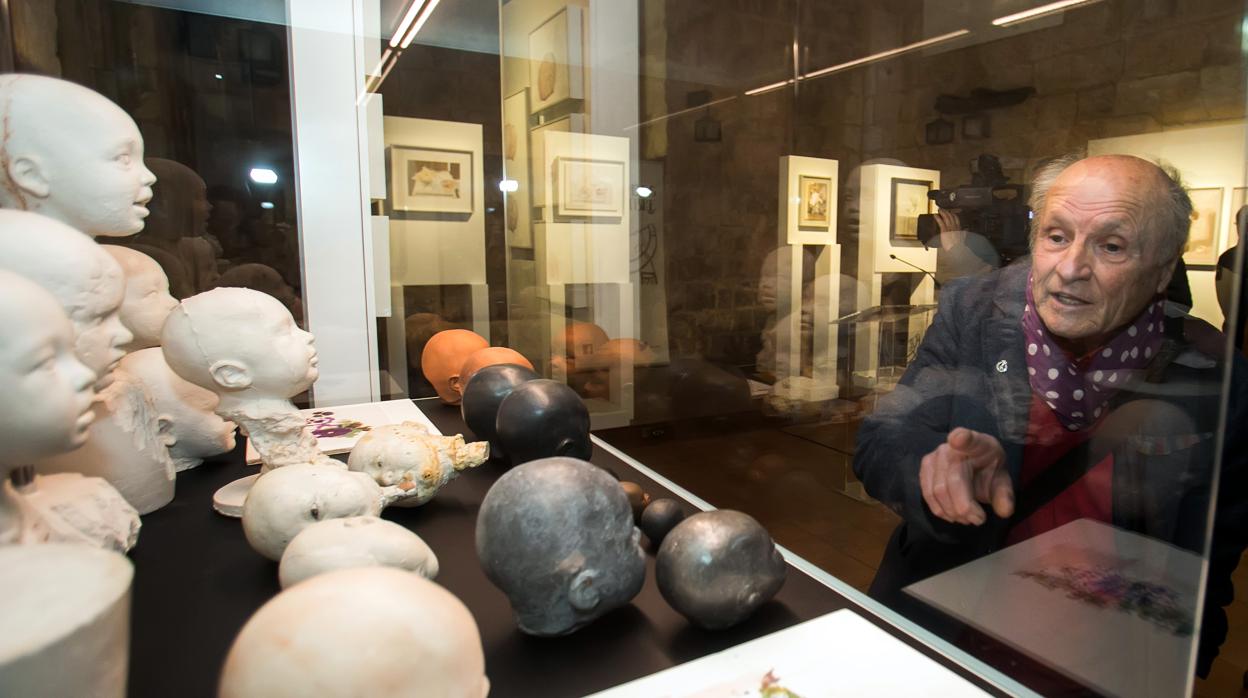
(886, 54)
(218, 76)
(408, 16)
(266, 205)
(508, 185)
(263, 175)
(420, 22)
(1038, 12)
(644, 192)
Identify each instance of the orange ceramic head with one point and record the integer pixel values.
(481, 358)
(443, 357)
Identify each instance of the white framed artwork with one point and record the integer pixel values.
(555, 60)
(589, 188)
(517, 206)
(808, 200)
(431, 180)
(541, 177)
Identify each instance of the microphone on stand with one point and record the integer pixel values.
(915, 266)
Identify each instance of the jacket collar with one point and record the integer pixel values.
(1007, 364)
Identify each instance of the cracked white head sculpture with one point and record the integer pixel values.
(88, 283)
(371, 631)
(286, 500)
(409, 458)
(187, 415)
(73, 155)
(47, 390)
(147, 301)
(241, 344)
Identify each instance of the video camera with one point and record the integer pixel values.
(990, 207)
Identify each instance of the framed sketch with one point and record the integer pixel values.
(555, 60)
(517, 209)
(429, 180)
(814, 209)
(1202, 237)
(589, 188)
(1239, 198)
(908, 199)
(572, 123)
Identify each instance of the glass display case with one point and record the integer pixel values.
(866, 271)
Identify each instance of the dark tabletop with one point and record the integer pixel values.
(197, 582)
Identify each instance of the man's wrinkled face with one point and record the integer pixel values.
(1095, 257)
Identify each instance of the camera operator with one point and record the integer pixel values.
(960, 252)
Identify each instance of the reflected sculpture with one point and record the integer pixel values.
(557, 536)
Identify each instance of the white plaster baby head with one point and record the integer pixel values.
(286, 500)
(370, 631)
(47, 390)
(357, 541)
(241, 344)
(187, 416)
(88, 283)
(147, 302)
(73, 155)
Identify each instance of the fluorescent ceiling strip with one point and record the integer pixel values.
(401, 30)
(769, 88)
(665, 117)
(424, 16)
(887, 54)
(1038, 12)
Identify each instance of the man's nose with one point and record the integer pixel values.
(1075, 262)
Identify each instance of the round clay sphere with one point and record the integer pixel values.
(368, 631)
(286, 500)
(356, 541)
(637, 497)
(543, 419)
(660, 517)
(717, 567)
(442, 358)
(484, 393)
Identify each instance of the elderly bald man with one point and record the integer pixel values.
(1057, 389)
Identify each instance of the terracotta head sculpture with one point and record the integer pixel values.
(443, 359)
(489, 356)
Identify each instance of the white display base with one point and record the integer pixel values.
(369, 414)
(839, 654)
(64, 621)
(229, 500)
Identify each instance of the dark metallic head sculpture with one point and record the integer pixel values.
(483, 395)
(541, 419)
(718, 567)
(556, 535)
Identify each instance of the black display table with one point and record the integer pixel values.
(197, 581)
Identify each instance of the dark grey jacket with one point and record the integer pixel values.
(970, 371)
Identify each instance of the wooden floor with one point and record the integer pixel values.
(794, 479)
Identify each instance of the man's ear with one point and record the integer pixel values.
(583, 590)
(165, 429)
(29, 176)
(230, 375)
(1167, 271)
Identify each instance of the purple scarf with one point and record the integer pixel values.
(1077, 390)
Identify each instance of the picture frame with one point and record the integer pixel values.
(556, 71)
(1239, 197)
(1201, 250)
(572, 123)
(589, 188)
(431, 180)
(907, 200)
(517, 209)
(815, 204)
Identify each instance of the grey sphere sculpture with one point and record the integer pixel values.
(556, 535)
(541, 419)
(659, 518)
(717, 567)
(483, 395)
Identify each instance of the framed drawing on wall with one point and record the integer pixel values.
(1239, 197)
(573, 123)
(555, 59)
(908, 199)
(516, 203)
(815, 206)
(430, 180)
(1202, 237)
(589, 188)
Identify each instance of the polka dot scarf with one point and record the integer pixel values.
(1077, 390)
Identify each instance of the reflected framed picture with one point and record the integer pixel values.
(572, 123)
(814, 208)
(431, 181)
(1239, 197)
(908, 200)
(1202, 237)
(516, 204)
(589, 188)
(555, 60)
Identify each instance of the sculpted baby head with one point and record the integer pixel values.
(444, 356)
(147, 301)
(73, 155)
(186, 411)
(84, 279)
(240, 344)
(47, 406)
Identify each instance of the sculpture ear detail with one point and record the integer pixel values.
(230, 375)
(565, 447)
(583, 591)
(165, 429)
(29, 177)
(453, 381)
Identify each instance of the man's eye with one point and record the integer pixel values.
(1113, 248)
